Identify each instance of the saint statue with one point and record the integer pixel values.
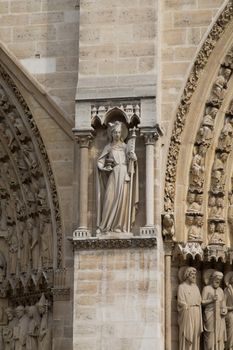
(229, 303)
(21, 329)
(215, 310)
(117, 185)
(45, 332)
(33, 328)
(189, 310)
(8, 331)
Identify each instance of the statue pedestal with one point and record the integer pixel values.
(117, 294)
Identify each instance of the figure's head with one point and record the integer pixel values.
(191, 197)
(19, 311)
(190, 275)
(216, 279)
(10, 313)
(116, 129)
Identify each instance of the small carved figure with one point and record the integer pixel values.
(24, 247)
(230, 212)
(205, 133)
(195, 230)
(195, 202)
(8, 331)
(215, 311)
(218, 237)
(45, 333)
(168, 226)
(2, 267)
(20, 331)
(46, 240)
(33, 328)
(33, 233)
(189, 311)
(218, 178)
(216, 211)
(224, 143)
(219, 86)
(12, 240)
(114, 181)
(198, 167)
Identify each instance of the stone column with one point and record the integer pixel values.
(84, 139)
(167, 297)
(150, 136)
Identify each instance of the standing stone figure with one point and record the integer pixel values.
(113, 185)
(215, 311)
(8, 331)
(189, 310)
(229, 303)
(45, 334)
(20, 331)
(33, 328)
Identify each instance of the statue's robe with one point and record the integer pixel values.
(189, 319)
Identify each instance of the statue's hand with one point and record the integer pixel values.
(108, 168)
(132, 156)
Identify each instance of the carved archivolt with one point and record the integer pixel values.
(183, 109)
(30, 223)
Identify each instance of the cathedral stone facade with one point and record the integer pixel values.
(116, 186)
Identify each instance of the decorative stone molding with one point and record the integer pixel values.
(148, 231)
(81, 234)
(122, 243)
(216, 253)
(130, 109)
(187, 250)
(191, 85)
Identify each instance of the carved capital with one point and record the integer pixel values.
(150, 135)
(83, 137)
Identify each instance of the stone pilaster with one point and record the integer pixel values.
(84, 139)
(150, 136)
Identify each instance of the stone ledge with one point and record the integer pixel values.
(113, 243)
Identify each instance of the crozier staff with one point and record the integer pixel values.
(113, 183)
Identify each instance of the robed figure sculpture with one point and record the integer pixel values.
(117, 183)
(189, 310)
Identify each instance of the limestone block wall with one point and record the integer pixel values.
(117, 300)
(43, 36)
(117, 53)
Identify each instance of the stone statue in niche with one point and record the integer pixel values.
(33, 328)
(216, 207)
(228, 291)
(189, 310)
(168, 226)
(117, 188)
(226, 137)
(2, 267)
(195, 224)
(45, 332)
(21, 329)
(33, 233)
(24, 246)
(218, 236)
(46, 240)
(218, 178)
(195, 202)
(205, 133)
(8, 331)
(230, 213)
(198, 167)
(219, 86)
(13, 245)
(215, 310)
